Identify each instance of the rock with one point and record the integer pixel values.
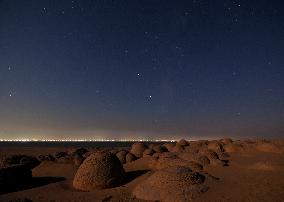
(210, 154)
(121, 155)
(30, 161)
(169, 146)
(171, 184)
(203, 160)
(78, 159)
(198, 144)
(215, 146)
(178, 148)
(63, 157)
(183, 142)
(130, 157)
(150, 146)
(213, 157)
(46, 158)
(80, 151)
(194, 165)
(99, 171)
(169, 159)
(160, 149)
(14, 176)
(58, 155)
(196, 157)
(137, 149)
(12, 160)
(148, 152)
(227, 141)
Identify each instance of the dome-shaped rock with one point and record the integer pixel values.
(148, 152)
(160, 149)
(100, 170)
(137, 149)
(121, 155)
(183, 142)
(171, 184)
(130, 157)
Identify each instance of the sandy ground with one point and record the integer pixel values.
(250, 176)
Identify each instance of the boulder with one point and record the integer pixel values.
(78, 159)
(14, 176)
(171, 184)
(137, 149)
(121, 155)
(46, 158)
(227, 141)
(130, 157)
(58, 155)
(215, 146)
(160, 149)
(183, 142)
(178, 148)
(29, 161)
(99, 171)
(148, 152)
(169, 146)
(80, 151)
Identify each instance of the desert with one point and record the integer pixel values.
(205, 170)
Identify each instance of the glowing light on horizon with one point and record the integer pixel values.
(85, 140)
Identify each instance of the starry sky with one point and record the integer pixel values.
(141, 69)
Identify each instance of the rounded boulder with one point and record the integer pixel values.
(99, 171)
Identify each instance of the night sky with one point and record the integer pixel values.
(141, 69)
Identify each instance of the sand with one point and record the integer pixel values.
(253, 173)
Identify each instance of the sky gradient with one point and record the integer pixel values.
(141, 69)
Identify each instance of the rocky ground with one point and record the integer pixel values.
(218, 170)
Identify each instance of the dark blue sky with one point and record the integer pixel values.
(159, 69)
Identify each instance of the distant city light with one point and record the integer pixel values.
(84, 140)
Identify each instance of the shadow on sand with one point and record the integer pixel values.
(132, 175)
(35, 182)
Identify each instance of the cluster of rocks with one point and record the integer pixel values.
(75, 156)
(173, 179)
(16, 170)
(177, 168)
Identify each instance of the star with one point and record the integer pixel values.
(150, 96)
(138, 74)
(10, 95)
(9, 68)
